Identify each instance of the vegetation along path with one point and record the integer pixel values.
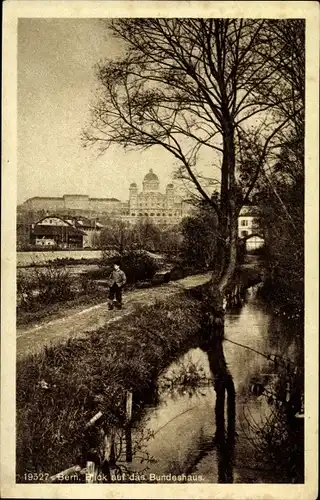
(33, 339)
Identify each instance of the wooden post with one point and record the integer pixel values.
(90, 472)
(109, 446)
(67, 472)
(128, 426)
(128, 406)
(94, 419)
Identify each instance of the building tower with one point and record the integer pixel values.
(170, 196)
(133, 197)
(151, 181)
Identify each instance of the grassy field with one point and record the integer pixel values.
(59, 309)
(59, 390)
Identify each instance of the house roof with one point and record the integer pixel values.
(40, 230)
(80, 222)
(52, 216)
(250, 210)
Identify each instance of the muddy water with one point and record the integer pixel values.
(184, 423)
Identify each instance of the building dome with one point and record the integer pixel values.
(170, 185)
(151, 177)
(133, 185)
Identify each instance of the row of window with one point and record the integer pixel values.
(245, 222)
(152, 204)
(176, 214)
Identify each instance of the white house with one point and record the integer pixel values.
(249, 224)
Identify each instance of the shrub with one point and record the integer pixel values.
(54, 284)
(97, 274)
(45, 285)
(138, 266)
(26, 286)
(87, 285)
(177, 273)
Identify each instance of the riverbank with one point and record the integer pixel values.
(80, 320)
(60, 389)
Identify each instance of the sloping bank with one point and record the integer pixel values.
(59, 390)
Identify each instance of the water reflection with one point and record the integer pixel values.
(225, 396)
(222, 412)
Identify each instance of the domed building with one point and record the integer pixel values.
(162, 209)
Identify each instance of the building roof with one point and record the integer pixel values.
(57, 198)
(53, 216)
(44, 198)
(250, 210)
(79, 222)
(104, 199)
(40, 230)
(151, 177)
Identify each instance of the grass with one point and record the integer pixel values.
(59, 390)
(59, 309)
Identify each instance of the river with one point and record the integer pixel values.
(181, 431)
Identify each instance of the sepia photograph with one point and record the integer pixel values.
(162, 334)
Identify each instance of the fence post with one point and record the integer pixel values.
(90, 472)
(128, 426)
(109, 446)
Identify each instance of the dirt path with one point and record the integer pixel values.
(33, 339)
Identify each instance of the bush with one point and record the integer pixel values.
(26, 286)
(87, 285)
(177, 273)
(97, 274)
(47, 285)
(54, 284)
(138, 266)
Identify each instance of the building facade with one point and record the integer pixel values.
(249, 227)
(150, 204)
(161, 209)
(65, 232)
(72, 204)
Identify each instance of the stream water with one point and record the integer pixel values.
(181, 432)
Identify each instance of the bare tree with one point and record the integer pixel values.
(146, 235)
(188, 85)
(116, 235)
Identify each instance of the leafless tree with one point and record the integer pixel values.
(192, 84)
(146, 235)
(116, 235)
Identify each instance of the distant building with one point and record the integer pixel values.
(162, 209)
(69, 232)
(72, 204)
(249, 227)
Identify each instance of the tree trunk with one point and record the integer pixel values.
(228, 224)
(230, 266)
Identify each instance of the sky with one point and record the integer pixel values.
(56, 84)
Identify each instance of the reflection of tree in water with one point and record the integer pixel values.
(225, 392)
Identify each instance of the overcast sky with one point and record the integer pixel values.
(55, 86)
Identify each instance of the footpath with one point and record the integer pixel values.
(33, 339)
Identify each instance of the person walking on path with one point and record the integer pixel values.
(117, 280)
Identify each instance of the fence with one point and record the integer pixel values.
(99, 461)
